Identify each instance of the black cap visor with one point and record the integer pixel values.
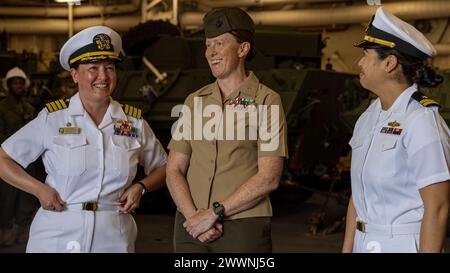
(379, 37)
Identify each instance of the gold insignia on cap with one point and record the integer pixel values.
(103, 41)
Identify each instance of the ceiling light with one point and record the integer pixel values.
(77, 2)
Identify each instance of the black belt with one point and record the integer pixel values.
(91, 206)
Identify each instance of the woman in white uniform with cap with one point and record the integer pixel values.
(400, 147)
(90, 146)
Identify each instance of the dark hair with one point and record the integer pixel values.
(245, 36)
(414, 69)
(75, 65)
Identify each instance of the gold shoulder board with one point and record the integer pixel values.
(57, 105)
(424, 100)
(132, 111)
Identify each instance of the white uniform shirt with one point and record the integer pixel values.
(388, 169)
(93, 165)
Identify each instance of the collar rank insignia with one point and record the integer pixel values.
(125, 128)
(69, 130)
(241, 104)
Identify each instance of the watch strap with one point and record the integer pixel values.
(219, 210)
(143, 186)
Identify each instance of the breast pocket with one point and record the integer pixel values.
(387, 159)
(358, 154)
(388, 144)
(70, 155)
(125, 153)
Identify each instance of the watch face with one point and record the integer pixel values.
(218, 209)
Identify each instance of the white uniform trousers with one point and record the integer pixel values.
(387, 238)
(80, 231)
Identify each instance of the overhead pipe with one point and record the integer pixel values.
(143, 11)
(442, 49)
(407, 10)
(59, 26)
(70, 9)
(62, 12)
(147, 12)
(259, 3)
(312, 17)
(118, 23)
(174, 12)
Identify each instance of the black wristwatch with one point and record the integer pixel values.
(219, 210)
(144, 188)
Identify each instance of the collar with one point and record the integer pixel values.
(75, 106)
(114, 112)
(400, 104)
(248, 87)
(114, 109)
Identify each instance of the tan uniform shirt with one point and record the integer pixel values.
(219, 166)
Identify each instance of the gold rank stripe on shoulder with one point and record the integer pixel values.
(424, 100)
(132, 111)
(57, 105)
(427, 102)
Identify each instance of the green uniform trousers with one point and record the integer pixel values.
(246, 235)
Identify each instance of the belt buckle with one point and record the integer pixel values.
(361, 226)
(92, 206)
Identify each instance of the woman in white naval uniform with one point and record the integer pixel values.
(400, 147)
(91, 146)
